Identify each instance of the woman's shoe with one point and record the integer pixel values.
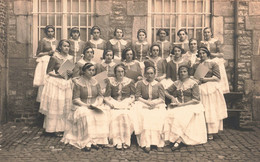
(59, 134)
(176, 146)
(147, 149)
(119, 147)
(96, 147)
(159, 149)
(210, 137)
(125, 146)
(86, 149)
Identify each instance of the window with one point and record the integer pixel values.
(193, 15)
(63, 15)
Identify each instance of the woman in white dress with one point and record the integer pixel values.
(185, 121)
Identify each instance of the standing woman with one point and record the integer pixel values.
(76, 45)
(185, 121)
(159, 63)
(150, 111)
(108, 63)
(45, 50)
(96, 42)
(141, 47)
(165, 45)
(211, 93)
(57, 92)
(173, 65)
(191, 55)
(89, 127)
(128, 59)
(117, 44)
(87, 58)
(214, 46)
(183, 39)
(119, 96)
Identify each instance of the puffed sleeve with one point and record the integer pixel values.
(76, 91)
(76, 70)
(138, 90)
(40, 47)
(108, 89)
(132, 88)
(171, 90)
(161, 91)
(195, 92)
(215, 70)
(51, 65)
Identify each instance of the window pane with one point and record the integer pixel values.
(43, 20)
(58, 34)
(191, 5)
(167, 7)
(158, 20)
(58, 6)
(83, 34)
(183, 21)
(75, 6)
(191, 20)
(167, 20)
(75, 20)
(199, 35)
(83, 6)
(51, 6)
(173, 21)
(42, 34)
(58, 20)
(52, 20)
(43, 6)
(190, 33)
(199, 6)
(184, 6)
(172, 34)
(199, 20)
(83, 20)
(89, 20)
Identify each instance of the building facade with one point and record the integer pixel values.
(234, 22)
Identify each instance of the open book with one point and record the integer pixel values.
(65, 66)
(98, 54)
(201, 71)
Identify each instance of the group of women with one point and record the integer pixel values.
(166, 103)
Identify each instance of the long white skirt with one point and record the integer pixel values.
(87, 127)
(150, 125)
(186, 123)
(121, 123)
(56, 103)
(215, 106)
(223, 81)
(39, 74)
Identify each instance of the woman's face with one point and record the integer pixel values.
(203, 55)
(90, 72)
(65, 47)
(75, 35)
(120, 73)
(193, 46)
(141, 36)
(207, 34)
(96, 34)
(50, 33)
(119, 34)
(109, 56)
(150, 74)
(89, 54)
(177, 52)
(183, 73)
(162, 35)
(155, 51)
(129, 55)
(182, 36)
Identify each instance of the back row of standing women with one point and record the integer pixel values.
(128, 106)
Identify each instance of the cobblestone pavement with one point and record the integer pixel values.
(19, 142)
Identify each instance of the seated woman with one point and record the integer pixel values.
(88, 53)
(150, 109)
(211, 93)
(191, 55)
(89, 127)
(119, 96)
(128, 59)
(107, 63)
(185, 121)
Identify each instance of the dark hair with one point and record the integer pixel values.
(153, 45)
(48, 27)
(205, 49)
(182, 50)
(184, 66)
(161, 29)
(118, 28)
(120, 65)
(178, 33)
(86, 48)
(209, 29)
(86, 66)
(61, 42)
(192, 39)
(74, 30)
(125, 51)
(150, 67)
(94, 28)
(141, 31)
(106, 51)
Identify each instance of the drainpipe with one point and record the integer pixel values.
(6, 111)
(236, 46)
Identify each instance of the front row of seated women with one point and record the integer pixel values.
(97, 119)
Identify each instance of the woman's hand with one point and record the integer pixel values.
(174, 100)
(50, 53)
(139, 78)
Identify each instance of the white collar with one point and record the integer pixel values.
(184, 85)
(142, 43)
(112, 63)
(83, 62)
(212, 40)
(163, 41)
(155, 60)
(130, 63)
(114, 41)
(49, 40)
(58, 55)
(124, 82)
(75, 40)
(177, 62)
(154, 82)
(99, 41)
(84, 83)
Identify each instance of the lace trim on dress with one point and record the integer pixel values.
(124, 82)
(154, 82)
(99, 41)
(110, 64)
(82, 62)
(184, 85)
(141, 43)
(59, 56)
(114, 41)
(84, 83)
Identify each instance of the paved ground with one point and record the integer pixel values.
(19, 142)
